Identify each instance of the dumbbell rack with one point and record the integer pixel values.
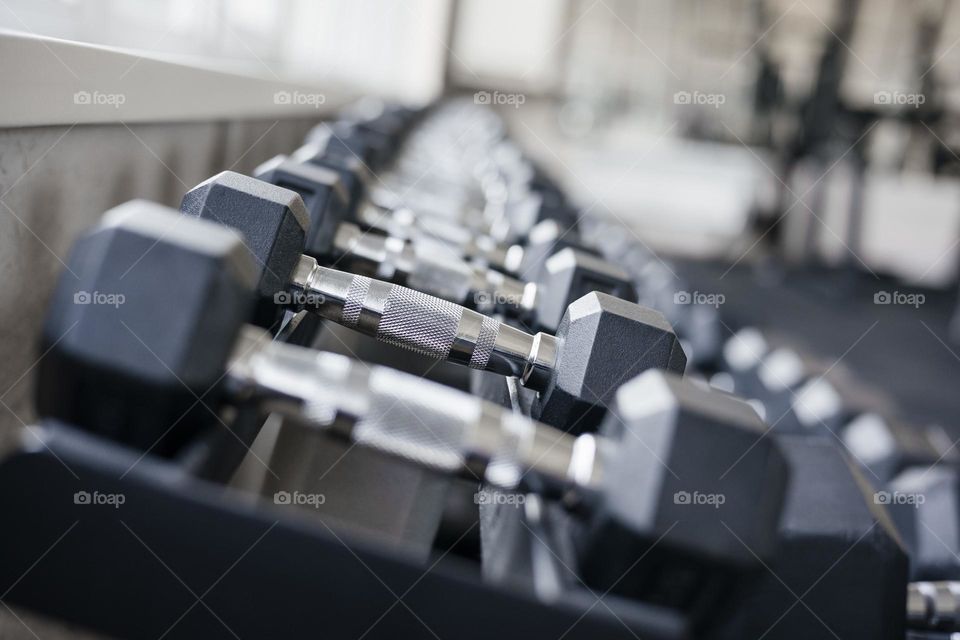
(186, 558)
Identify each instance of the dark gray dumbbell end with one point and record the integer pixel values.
(272, 220)
(151, 317)
(604, 342)
(323, 194)
(703, 475)
(570, 274)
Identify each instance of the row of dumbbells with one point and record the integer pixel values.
(914, 469)
(670, 493)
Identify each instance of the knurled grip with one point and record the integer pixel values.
(418, 322)
(423, 423)
(424, 324)
(353, 304)
(486, 339)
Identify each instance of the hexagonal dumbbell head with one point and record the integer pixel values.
(385, 121)
(353, 173)
(272, 220)
(691, 493)
(346, 139)
(323, 194)
(835, 537)
(142, 323)
(885, 447)
(743, 353)
(545, 239)
(571, 274)
(603, 343)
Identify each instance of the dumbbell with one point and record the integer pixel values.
(438, 212)
(792, 396)
(448, 237)
(796, 400)
(886, 446)
(509, 179)
(659, 286)
(389, 215)
(473, 152)
(835, 538)
(164, 363)
(601, 341)
(333, 240)
(834, 532)
(662, 416)
(370, 130)
(555, 230)
(427, 266)
(524, 258)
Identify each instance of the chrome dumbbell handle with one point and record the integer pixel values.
(433, 268)
(404, 223)
(427, 325)
(423, 422)
(934, 605)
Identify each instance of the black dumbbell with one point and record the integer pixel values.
(439, 218)
(834, 532)
(835, 538)
(135, 372)
(659, 416)
(146, 340)
(430, 267)
(543, 201)
(332, 238)
(370, 131)
(793, 396)
(383, 211)
(602, 341)
(660, 287)
(885, 446)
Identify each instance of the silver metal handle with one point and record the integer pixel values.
(423, 422)
(431, 267)
(427, 325)
(934, 605)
